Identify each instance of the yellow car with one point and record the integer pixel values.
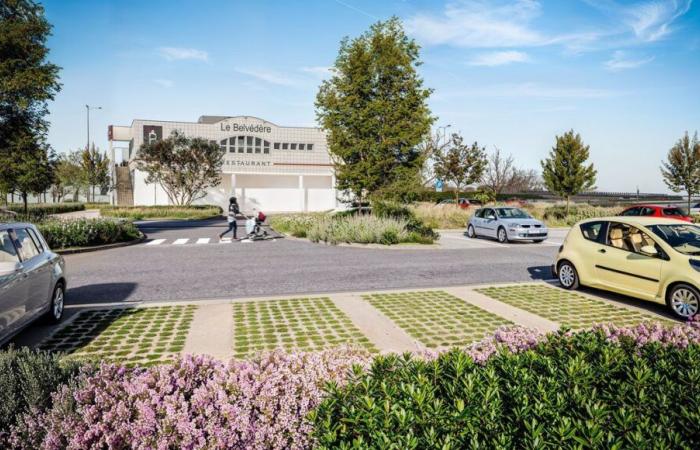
(650, 258)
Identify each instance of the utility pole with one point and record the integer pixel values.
(87, 109)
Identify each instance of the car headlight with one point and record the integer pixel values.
(695, 264)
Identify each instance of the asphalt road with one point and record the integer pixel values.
(189, 262)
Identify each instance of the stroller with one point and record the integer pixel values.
(253, 226)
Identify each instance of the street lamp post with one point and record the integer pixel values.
(87, 109)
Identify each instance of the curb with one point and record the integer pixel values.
(74, 250)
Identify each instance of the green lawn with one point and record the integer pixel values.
(134, 336)
(568, 309)
(292, 324)
(437, 319)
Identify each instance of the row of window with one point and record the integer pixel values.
(251, 144)
(293, 146)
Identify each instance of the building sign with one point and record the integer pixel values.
(152, 133)
(246, 128)
(241, 163)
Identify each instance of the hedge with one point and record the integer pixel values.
(191, 212)
(41, 210)
(60, 234)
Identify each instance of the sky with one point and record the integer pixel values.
(507, 74)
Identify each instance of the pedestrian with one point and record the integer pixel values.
(233, 211)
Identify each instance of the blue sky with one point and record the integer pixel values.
(512, 74)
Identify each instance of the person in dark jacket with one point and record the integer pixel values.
(233, 211)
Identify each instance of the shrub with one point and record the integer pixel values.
(361, 229)
(87, 232)
(38, 211)
(414, 224)
(192, 212)
(556, 215)
(197, 402)
(27, 379)
(442, 216)
(607, 388)
(296, 225)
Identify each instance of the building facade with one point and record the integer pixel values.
(266, 166)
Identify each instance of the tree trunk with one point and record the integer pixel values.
(568, 198)
(457, 195)
(24, 201)
(689, 196)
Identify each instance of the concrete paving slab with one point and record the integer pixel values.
(211, 332)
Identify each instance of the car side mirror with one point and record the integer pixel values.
(8, 268)
(649, 250)
(491, 217)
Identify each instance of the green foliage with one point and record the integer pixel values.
(442, 216)
(414, 224)
(191, 212)
(460, 164)
(38, 211)
(185, 167)
(95, 167)
(681, 170)
(557, 215)
(69, 176)
(363, 229)
(375, 111)
(27, 379)
(565, 172)
(61, 234)
(580, 391)
(296, 225)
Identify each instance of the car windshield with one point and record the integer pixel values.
(512, 213)
(684, 238)
(673, 212)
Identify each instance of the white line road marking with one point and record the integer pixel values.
(156, 242)
(203, 240)
(180, 241)
(225, 240)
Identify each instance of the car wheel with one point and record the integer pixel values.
(568, 277)
(471, 233)
(55, 312)
(684, 301)
(502, 235)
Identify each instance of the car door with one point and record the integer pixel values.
(38, 269)
(490, 223)
(621, 266)
(13, 289)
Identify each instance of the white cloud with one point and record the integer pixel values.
(621, 61)
(268, 77)
(498, 58)
(321, 71)
(165, 83)
(177, 53)
(652, 20)
(530, 90)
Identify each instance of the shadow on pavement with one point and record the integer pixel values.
(100, 293)
(540, 272)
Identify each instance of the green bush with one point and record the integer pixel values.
(579, 391)
(27, 379)
(363, 229)
(192, 212)
(61, 234)
(296, 225)
(405, 213)
(37, 211)
(556, 215)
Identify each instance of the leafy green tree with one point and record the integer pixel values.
(374, 109)
(460, 164)
(185, 167)
(70, 176)
(95, 166)
(681, 170)
(27, 82)
(566, 171)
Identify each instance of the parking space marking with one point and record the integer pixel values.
(203, 241)
(181, 241)
(156, 242)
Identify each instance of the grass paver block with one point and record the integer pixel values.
(305, 324)
(568, 309)
(435, 318)
(134, 336)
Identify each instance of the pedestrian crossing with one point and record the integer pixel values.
(196, 241)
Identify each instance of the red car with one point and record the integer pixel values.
(670, 212)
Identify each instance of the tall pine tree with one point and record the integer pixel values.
(681, 170)
(565, 172)
(27, 82)
(374, 109)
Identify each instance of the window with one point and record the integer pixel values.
(591, 230)
(631, 212)
(673, 212)
(266, 147)
(249, 144)
(292, 146)
(685, 238)
(258, 145)
(309, 146)
(223, 144)
(27, 249)
(241, 144)
(628, 238)
(37, 241)
(284, 146)
(8, 253)
(479, 213)
(301, 146)
(488, 213)
(647, 212)
(277, 145)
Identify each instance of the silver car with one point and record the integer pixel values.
(32, 279)
(506, 224)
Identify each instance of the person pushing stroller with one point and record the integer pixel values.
(233, 211)
(253, 225)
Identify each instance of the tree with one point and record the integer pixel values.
(460, 164)
(374, 110)
(95, 166)
(432, 143)
(27, 83)
(499, 172)
(565, 172)
(524, 180)
(70, 175)
(185, 167)
(681, 170)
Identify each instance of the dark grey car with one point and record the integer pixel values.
(32, 279)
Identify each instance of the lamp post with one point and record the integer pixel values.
(444, 132)
(87, 109)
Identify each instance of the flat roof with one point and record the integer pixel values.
(210, 120)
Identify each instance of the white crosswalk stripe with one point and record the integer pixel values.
(156, 242)
(203, 240)
(180, 241)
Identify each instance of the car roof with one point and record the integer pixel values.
(636, 220)
(10, 225)
(651, 205)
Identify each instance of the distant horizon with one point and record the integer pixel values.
(511, 74)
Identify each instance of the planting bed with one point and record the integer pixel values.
(568, 309)
(435, 318)
(133, 336)
(293, 324)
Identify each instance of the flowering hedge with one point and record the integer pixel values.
(87, 232)
(625, 387)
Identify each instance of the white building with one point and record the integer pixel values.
(268, 167)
